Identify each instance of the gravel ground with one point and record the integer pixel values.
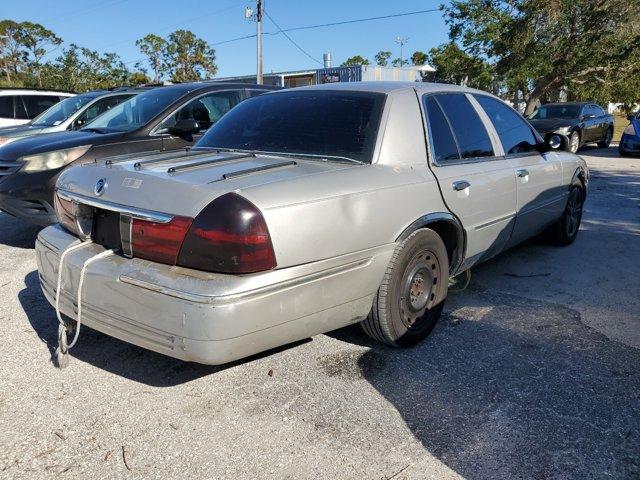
(533, 372)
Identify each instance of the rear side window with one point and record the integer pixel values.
(444, 145)
(36, 104)
(515, 134)
(6, 106)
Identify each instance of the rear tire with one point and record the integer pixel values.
(607, 139)
(565, 230)
(411, 297)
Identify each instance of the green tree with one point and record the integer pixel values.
(455, 66)
(355, 60)
(419, 58)
(154, 48)
(37, 40)
(542, 46)
(81, 69)
(189, 58)
(382, 58)
(12, 54)
(400, 62)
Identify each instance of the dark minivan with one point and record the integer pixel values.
(164, 118)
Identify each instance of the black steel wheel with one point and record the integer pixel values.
(410, 299)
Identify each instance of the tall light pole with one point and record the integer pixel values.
(401, 41)
(259, 7)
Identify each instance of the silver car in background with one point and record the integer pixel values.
(302, 211)
(72, 113)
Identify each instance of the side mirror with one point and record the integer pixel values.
(187, 126)
(588, 116)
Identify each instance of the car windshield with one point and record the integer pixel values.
(339, 125)
(136, 111)
(556, 111)
(61, 111)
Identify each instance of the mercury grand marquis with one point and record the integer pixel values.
(302, 211)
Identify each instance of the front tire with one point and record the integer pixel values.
(607, 139)
(574, 142)
(565, 230)
(411, 297)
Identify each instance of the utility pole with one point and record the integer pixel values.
(401, 41)
(259, 7)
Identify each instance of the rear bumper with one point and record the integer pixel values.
(205, 317)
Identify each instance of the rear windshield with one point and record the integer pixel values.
(312, 122)
(137, 111)
(61, 111)
(556, 111)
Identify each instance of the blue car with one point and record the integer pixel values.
(630, 141)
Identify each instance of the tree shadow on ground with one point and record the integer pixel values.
(508, 387)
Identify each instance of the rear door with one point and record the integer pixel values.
(477, 182)
(540, 196)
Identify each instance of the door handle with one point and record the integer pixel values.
(460, 185)
(522, 173)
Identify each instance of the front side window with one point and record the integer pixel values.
(471, 136)
(61, 111)
(515, 134)
(205, 110)
(556, 111)
(36, 104)
(98, 108)
(331, 124)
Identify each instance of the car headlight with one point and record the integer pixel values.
(563, 131)
(52, 160)
(630, 130)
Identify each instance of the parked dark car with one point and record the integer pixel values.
(630, 141)
(575, 124)
(164, 118)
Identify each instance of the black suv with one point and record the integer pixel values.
(164, 118)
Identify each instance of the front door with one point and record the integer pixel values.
(477, 186)
(538, 177)
(206, 109)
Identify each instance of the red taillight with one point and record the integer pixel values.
(159, 242)
(65, 213)
(230, 235)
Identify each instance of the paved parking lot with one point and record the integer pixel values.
(534, 372)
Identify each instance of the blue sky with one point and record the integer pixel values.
(114, 25)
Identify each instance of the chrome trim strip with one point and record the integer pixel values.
(249, 171)
(189, 166)
(493, 222)
(9, 164)
(172, 155)
(126, 224)
(134, 212)
(249, 294)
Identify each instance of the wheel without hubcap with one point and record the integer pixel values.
(411, 297)
(565, 230)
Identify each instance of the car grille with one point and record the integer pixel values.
(8, 167)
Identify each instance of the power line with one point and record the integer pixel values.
(369, 19)
(321, 25)
(291, 40)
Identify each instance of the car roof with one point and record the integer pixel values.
(388, 87)
(197, 86)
